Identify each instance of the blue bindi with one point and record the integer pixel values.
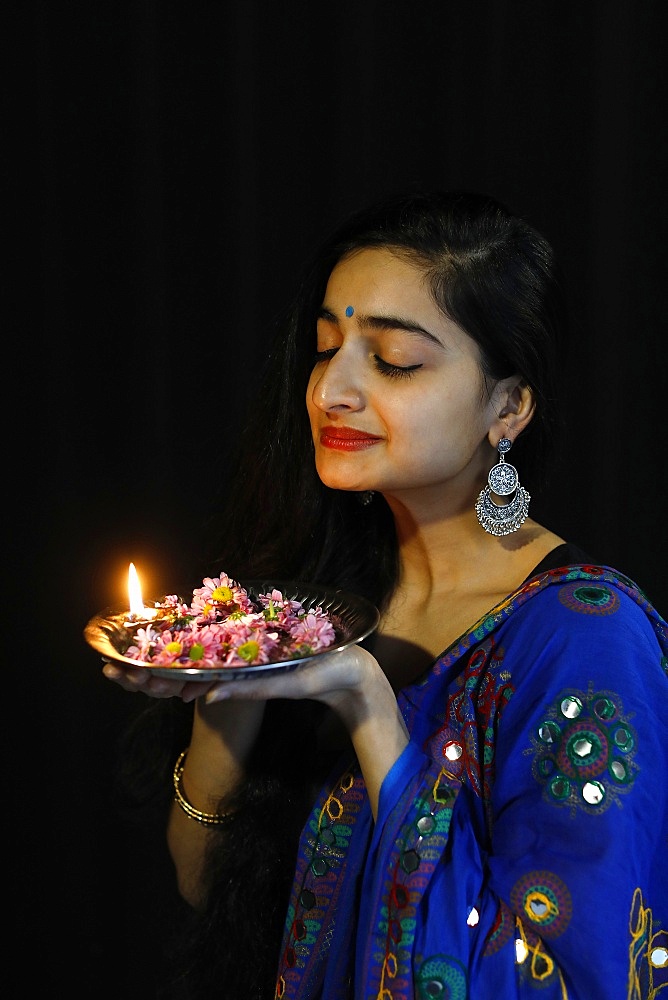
(349, 310)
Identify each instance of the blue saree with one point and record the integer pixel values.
(521, 845)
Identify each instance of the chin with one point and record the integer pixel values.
(329, 478)
(342, 483)
(343, 487)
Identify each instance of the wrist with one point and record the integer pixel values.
(222, 737)
(371, 696)
(235, 724)
(184, 803)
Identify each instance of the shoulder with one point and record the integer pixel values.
(564, 617)
(586, 638)
(584, 611)
(584, 591)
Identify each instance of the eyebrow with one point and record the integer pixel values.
(383, 323)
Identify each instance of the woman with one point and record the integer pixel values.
(492, 811)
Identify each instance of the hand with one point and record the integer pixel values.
(141, 679)
(333, 678)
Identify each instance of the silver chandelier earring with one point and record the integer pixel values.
(503, 480)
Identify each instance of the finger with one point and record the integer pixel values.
(232, 689)
(195, 689)
(137, 679)
(294, 684)
(128, 678)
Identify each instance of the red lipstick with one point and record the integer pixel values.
(346, 438)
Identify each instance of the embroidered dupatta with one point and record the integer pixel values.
(521, 843)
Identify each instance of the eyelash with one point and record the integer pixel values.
(384, 367)
(395, 371)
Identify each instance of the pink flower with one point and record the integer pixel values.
(280, 610)
(220, 594)
(144, 641)
(222, 627)
(251, 646)
(313, 630)
(167, 649)
(175, 605)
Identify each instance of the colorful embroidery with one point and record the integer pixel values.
(544, 900)
(441, 976)
(466, 740)
(584, 750)
(648, 953)
(490, 622)
(502, 929)
(589, 598)
(317, 884)
(536, 966)
(417, 852)
(582, 753)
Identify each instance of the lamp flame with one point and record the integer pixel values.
(137, 609)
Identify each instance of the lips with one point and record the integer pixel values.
(347, 438)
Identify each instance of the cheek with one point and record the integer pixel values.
(447, 430)
(423, 418)
(421, 445)
(417, 436)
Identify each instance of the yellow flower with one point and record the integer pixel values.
(248, 650)
(222, 594)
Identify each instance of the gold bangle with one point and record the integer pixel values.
(209, 819)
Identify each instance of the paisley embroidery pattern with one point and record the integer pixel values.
(465, 743)
(648, 953)
(536, 966)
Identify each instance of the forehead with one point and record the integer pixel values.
(377, 289)
(378, 272)
(372, 283)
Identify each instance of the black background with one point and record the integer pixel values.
(186, 158)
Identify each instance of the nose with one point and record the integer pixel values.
(336, 385)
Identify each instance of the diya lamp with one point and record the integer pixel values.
(111, 631)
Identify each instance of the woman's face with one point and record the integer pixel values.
(397, 400)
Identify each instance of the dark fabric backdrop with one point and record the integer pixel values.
(187, 156)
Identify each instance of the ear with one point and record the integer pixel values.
(515, 407)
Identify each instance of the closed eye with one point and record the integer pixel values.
(384, 367)
(394, 371)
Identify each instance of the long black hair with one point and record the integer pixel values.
(496, 277)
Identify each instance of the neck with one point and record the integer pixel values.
(450, 552)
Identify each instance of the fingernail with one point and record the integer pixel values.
(216, 694)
